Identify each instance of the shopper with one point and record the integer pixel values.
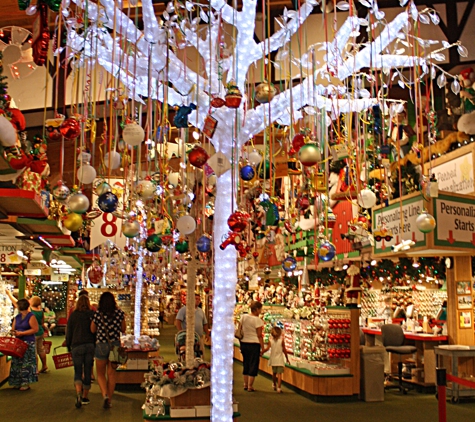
(108, 323)
(251, 344)
(24, 327)
(201, 322)
(35, 304)
(277, 355)
(50, 320)
(80, 342)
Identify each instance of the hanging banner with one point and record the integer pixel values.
(108, 226)
(8, 254)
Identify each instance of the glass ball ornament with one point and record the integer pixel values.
(238, 220)
(263, 169)
(247, 173)
(254, 157)
(425, 222)
(78, 203)
(309, 155)
(61, 192)
(186, 224)
(265, 92)
(198, 156)
(153, 243)
(133, 134)
(108, 202)
(73, 222)
(203, 244)
(366, 198)
(326, 251)
(113, 159)
(174, 179)
(298, 142)
(182, 246)
(131, 228)
(146, 189)
(70, 128)
(102, 187)
(86, 174)
(289, 264)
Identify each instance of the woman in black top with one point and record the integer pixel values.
(80, 341)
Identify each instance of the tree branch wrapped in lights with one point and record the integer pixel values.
(160, 74)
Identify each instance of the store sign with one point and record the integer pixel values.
(8, 254)
(400, 221)
(456, 175)
(455, 218)
(33, 272)
(108, 226)
(59, 277)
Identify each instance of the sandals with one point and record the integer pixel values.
(279, 390)
(24, 388)
(44, 371)
(274, 386)
(250, 389)
(245, 388)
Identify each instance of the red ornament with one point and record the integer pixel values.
(54, 135)
(238, 220)
(70, 129)
(303, 203)
(298, 142)
(217, 102)
(198, 156)
(255, 254)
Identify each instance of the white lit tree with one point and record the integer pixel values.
(148, 64)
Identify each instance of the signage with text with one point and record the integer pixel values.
(456, 175)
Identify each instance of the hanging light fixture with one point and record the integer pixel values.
(416, 263)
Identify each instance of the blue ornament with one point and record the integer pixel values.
(247, 173)
(326, 251)
(108, 202)
(289, 264)
(203, 244)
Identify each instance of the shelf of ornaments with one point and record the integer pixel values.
(427, 302)
(6, 315)
(150, 319)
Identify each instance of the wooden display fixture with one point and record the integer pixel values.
(135, 376)
(192, 397)
(22, 203)
(5, 363)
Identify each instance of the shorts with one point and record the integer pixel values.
(277, 369)
(40, 347)
(102, 351)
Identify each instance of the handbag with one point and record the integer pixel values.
(117, 354)
(238, 333)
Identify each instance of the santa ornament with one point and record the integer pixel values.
(353, 293)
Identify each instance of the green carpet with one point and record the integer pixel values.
(52, 400)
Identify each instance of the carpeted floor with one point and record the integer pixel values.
(52, 400)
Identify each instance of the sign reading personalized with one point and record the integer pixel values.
(456, 175)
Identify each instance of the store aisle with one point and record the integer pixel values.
(52, 400)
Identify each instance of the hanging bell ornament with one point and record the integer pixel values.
(265, 92)
(78, 203)
(425, 222)
(309, 155)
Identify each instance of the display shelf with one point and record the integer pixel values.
(167, 416)
(136, 367)
(22, 203)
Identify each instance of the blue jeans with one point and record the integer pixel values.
(83, 359)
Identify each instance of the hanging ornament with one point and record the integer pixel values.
(78, 203)
(73, 221)
(86, 174)
(131, 228)
(186, 224)
(61, 192)
(289, 264)
(174, 179)
(102, 187)
(181, 246)
(113, 159)
(265, 92)
(146, 188)
(153, 243)
(238, 220)
(203, 244)
(366, 198)
(309, 155)
(247, 173)
(108, 202)
(233, 95)
(70, 129)
(95, 274)
(198, 156)
(425, 222)
(255, 158)
(304, 281)
(326, 251)
(263, 169)
(298, 142)
(133, 134)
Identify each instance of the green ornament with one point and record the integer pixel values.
(263, 169)
(23, 4)
(54, 5)
(182, 247)
(153, 243)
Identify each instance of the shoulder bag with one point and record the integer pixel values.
(117, 354)
(238, 333)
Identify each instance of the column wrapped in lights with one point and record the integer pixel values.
(138, 293)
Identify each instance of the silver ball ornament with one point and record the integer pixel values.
(61, 192)
(131, 228)
(425, 222)
(145, 189)
(78, 203)
(309, 155)
(102, 187)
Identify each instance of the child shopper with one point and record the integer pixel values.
(276, 358)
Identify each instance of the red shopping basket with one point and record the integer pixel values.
(64, 360)
(47, 345)
(12, 346)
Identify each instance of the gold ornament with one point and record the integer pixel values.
(265, 92)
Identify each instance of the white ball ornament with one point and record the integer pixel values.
(255, 158)
(186, 224)
(425, 222)
(113, 159)
(78, 203)
(133, 134)
(86, 174)
(367, 198)
(8, 134)
(173, 179)
(146, 189)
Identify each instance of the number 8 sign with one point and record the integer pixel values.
(108, 226)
